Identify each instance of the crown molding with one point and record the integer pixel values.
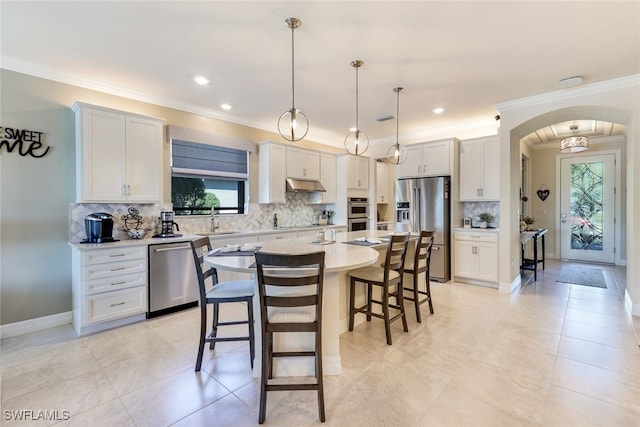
(561, 95)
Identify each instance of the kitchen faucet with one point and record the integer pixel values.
(214, 226)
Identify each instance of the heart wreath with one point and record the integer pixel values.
(543, 194)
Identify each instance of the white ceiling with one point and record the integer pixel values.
(463, 56)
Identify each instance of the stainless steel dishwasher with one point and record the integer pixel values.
(173, 282)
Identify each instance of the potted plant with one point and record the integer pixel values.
(485, 219)
(529, 220)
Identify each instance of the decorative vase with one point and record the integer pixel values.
(483, 224)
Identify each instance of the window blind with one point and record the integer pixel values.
(195, 159)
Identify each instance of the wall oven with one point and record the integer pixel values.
(357, 213)
(357, 207)
(358, 224)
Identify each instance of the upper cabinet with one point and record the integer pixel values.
(303, 164)
(428, 159)
(328, 178)
(480, 169)
(272, 172)
(357, 172)
(118, 156)
(383, 184)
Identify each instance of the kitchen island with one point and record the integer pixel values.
(340, 258)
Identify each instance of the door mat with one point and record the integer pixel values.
(586, 276)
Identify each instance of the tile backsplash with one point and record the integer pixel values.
(473, 209)
(295, 212)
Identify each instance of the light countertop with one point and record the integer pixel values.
(476, 229)
(223, 234)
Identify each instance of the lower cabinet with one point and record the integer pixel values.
(109, 287)
(476, 257)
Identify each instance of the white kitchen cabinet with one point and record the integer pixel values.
(384, 193)
(358, 172)
(480, 169)
(428, 159)
(278, 236)
(303, 164)
(328, 178)
(272, 172)
(118, 156)
(109, 287)
(476, 256)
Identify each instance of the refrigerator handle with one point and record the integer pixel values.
(418, 207)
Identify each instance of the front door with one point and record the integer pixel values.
(587, 208)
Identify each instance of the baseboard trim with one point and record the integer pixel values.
(633, 309)
(511, 287)
(34, 325)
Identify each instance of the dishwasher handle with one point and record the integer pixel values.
(172, 248)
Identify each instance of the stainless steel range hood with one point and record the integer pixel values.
(303, 186)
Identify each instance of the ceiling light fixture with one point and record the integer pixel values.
(201, 80)
(569, 82)
(356, 142)
(438, 110)
(397, 154)
(574, 144)
(225, 106)
(293, 125)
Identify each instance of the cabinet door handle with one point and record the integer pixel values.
(419, 168)
(424, 168)
(482, 192)
(116, 255)
(119, 303)
(118, 283)
(118, 268)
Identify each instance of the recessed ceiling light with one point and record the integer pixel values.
(569, 82)
(438, 110)
(201, 80)
(225, 106)
(353, 129)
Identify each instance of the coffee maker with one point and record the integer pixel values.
(166, 225)
(99, 228)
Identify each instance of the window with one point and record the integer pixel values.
(206, 177)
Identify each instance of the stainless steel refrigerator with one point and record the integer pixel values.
(423, 204)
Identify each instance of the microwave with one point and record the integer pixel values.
(357, 207)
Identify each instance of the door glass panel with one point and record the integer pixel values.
(586, 206)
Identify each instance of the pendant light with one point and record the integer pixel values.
(397, 154)
(574, 144)
(356, 142)
(293, 124)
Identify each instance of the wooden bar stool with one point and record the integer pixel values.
(420, 264)
(220, 293)
(290, 291)
(389, 278)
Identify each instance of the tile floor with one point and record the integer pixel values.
(551, 354)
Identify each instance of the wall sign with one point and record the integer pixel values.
(28, 142)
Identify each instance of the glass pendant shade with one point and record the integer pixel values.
(356, 142)
(574, 144)
(397, 154)
(293, 124)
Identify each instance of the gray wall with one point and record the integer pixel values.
(34, 203)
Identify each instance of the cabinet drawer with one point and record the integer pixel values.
(114, 254)
(113, 283)
(98, 271)
(113, 305)
(477, 237)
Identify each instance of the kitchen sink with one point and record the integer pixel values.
(218, 233)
